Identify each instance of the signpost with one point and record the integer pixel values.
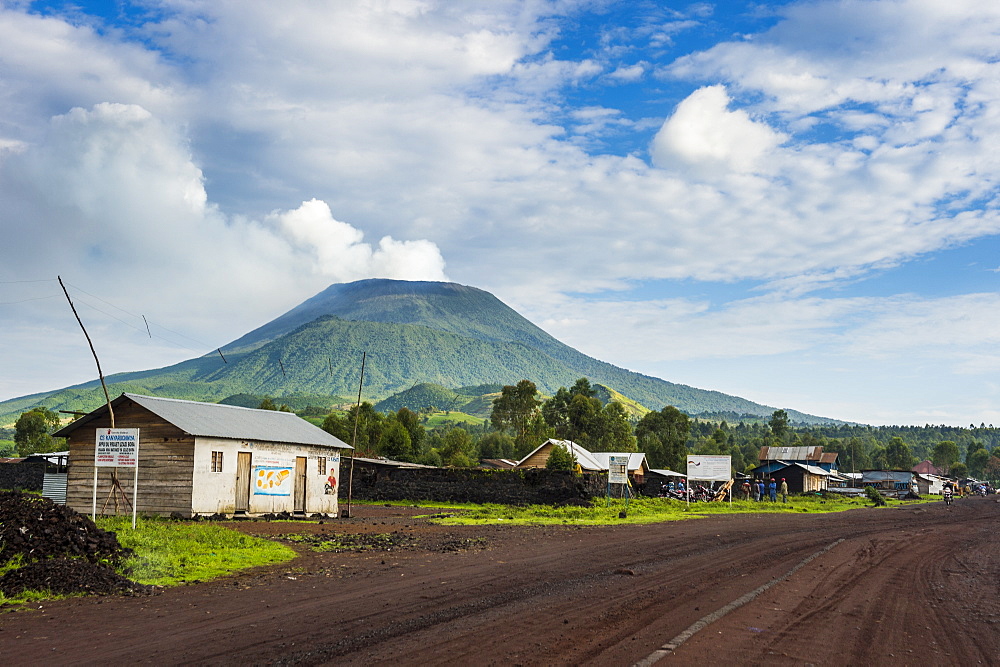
(117, 448)
(709, 469)
(618, 474)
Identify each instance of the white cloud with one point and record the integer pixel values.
(342, 257)
(112, 201)
(851, 136)
(705, 135)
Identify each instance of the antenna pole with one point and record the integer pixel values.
(100, 373)
(354, 441)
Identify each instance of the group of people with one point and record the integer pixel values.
(761, 489)
(981, 488)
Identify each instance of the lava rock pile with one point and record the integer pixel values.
(60, 549)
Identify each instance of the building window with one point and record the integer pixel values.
(216, 461)
(321, 465)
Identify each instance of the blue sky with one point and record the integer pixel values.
(793, 202)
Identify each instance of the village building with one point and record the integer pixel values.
(890, 482)
(637, 467)
(801, 477)
(925, 467)
(928, 484)
(809, 456)
(205, 458)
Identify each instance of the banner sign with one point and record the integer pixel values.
(117, 448)
(709, 468)
(272, 481)
(618, 470)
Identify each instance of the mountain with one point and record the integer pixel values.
(412, 333)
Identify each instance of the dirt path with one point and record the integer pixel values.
(906, 586)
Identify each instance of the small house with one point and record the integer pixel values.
(637, 467)
(810, 456)
(925, 467)
(588, 462)
(538, 457)
(891, 482)
(801, 478)
(204, 458)
(928, 484)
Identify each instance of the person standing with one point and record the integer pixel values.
(746, 489)
(784, 490)
(760, 489)
(773, 490)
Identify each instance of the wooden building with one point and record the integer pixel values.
(206, 458)
(801, 478)
(637, 467)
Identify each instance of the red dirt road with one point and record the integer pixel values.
(904, 586)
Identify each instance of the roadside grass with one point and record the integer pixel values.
(168, 553)
(639, 511)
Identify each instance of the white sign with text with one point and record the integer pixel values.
(117, 448)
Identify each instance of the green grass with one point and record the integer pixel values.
(170, 553)
(441, 419)
(640, 511)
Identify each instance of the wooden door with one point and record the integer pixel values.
(300, 485)
(243, 481)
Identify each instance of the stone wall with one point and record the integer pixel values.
(24, 476)
(474, 485)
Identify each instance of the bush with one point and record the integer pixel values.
(874, 496)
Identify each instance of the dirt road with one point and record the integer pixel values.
(902, 586)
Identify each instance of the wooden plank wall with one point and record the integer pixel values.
(166, 465)
(539, 458)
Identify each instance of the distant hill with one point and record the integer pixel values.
(415, 334)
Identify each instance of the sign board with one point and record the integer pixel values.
(273, 480)
(709, 468)
(618, 470)
(117, 448)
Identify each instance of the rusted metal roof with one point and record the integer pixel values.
(791, 453)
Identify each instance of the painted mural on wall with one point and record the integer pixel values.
(273, 477)
(330, 488)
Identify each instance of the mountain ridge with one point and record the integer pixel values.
(412, 332)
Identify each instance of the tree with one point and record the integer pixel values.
(496, 445)
(33, 432)
(779, 424)
(615, 430)
(560, 458)
(976, 462)
(516, 410)
(458, 450)
(269, 404)
(395, 442)
(369, 427)
(944, 455)
(411, 420)
(663, 436)
(992, 468)
(575, 413)
(959, 470)
(897, 455)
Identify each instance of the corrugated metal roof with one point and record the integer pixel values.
(667, 473)
(635, 459)
(214, 420)
(583, 457)
(814, 470)
(791, 453)
(886, 475)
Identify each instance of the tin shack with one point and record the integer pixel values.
(204, 458)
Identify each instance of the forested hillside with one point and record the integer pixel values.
(413, 333)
